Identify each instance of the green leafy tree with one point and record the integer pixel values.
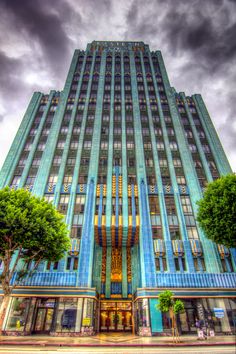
(31, 230)
(166, 303)
(217, 211)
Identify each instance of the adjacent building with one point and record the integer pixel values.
(125, 158)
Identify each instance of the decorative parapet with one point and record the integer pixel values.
(187, 280)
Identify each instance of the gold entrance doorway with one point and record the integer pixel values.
(116, 316)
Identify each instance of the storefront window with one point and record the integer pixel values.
(88, 313)
(67, 315)
(18, 314)
(142, 313)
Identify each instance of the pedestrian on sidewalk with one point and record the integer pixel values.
(197, 324)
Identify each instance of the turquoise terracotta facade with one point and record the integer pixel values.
(125, 158)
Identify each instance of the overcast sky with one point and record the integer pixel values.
(197, 39)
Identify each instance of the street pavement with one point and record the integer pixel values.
(117, 350)
(104, 341)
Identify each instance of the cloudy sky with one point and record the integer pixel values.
(197, 39)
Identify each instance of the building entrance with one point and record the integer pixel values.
(44, 316)
(116, 316)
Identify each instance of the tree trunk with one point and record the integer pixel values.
(3, 309)
(175, 332)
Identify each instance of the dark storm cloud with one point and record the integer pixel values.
(8, 77)
(41, 21)
(202, 28)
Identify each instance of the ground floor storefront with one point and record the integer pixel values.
(79, 316)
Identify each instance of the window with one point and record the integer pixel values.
(147, 146)
(180, 264)
(90, 117)
(130, 145)
(117, 144)
(30, 180)
(167, 119)
(189, 220)
(192, 147)
(149, 162)
(173, 146)
(76, 130)
(89, 131)
(67, 179)
(154, 205)
(104, 145)
(192, 233)
(199, 264)
(79, 205)
(131, 162)
(49, 197)
(175, 234)
(87, 144)
(170, 205)
(170, 131)
(177, 162)
(22, 162)
(36, 162)
(74, 145)
(206, 148)
(63, 203)
(188, 133)
(117, 130)
(72, 263)
(105, 118)
(160, 146)
(181, 180)
(157, 232)
(53, 179)
(158, 131)
(186, 205)
(61, 144)
(57, 160)
(64, 130)
(163, 162)
(70, 161)
(129, 131)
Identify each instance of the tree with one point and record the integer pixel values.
(217, 211)
(168, 304)
(31, 230)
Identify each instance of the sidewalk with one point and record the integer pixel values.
(114, 340)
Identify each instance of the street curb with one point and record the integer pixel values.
(194, 344)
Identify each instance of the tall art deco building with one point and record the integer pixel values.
(125, 158)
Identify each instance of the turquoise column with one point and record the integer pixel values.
(163, 213)
(124, 273)
(189, 170)
(87, 241)
(109, 186)
(36, 140)
(175, 118)
(135, 268)
(146, 251)
(108, 274)
(110, 159)
(222, 163)
(74, 184)
(67, 143)
(15, 151)
(97, 268)
(197, 139)
(125, 211)
(47, 158)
